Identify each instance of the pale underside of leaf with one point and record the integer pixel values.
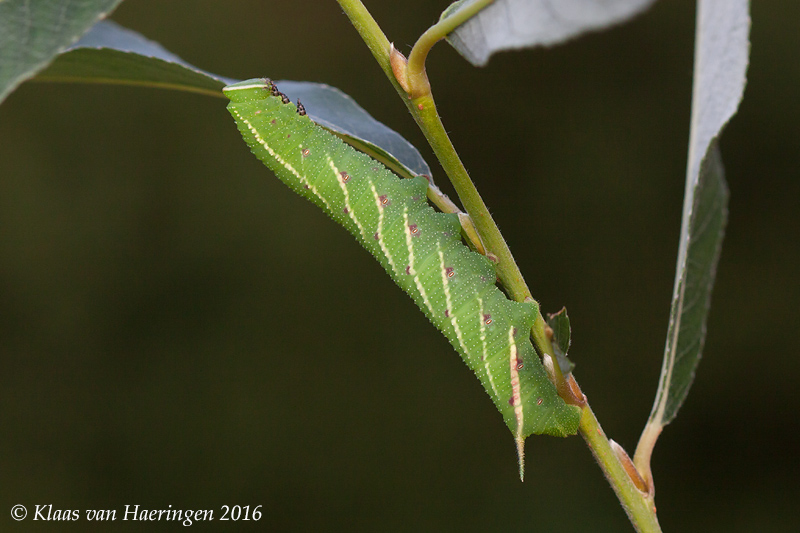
(513, 24)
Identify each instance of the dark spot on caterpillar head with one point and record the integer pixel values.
(447, 313)
(288, 135)
(539, 401)
(384, 200)
(301, 110)
(346, 211)
(377, 237)
(414, 230)
(408, 270)
(520, 364)
(345, 176)
(487, 319)
(272, 121)
(305, 152)
(306, 186)
(511, 400)
(449, 271)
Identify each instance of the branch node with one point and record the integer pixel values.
(399, 63)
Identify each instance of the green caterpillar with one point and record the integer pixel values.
(420, 248)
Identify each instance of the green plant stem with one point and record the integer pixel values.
(507, 270)
(639, 506)
(423, 109)
(644, 450)
(419, 54)
(373, 36)
(427, 117)
(433, 129)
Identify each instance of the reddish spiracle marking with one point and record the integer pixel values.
(487, 319)
(413, 229)
(520, 364)
(377, 237)
(384, 199)
(447, 313)
(539, 401)
(511, 400)
(305, 152)
(408, 270)
(345, 176)
(450, 272)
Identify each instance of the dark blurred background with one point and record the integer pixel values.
(178, 328)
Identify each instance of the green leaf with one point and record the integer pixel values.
(721, 55)
(692, 297)
(32, 33)
(559, 323)
(109, 53)
(511, 24)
